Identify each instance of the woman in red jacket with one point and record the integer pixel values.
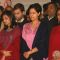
(9, 38)
(54, 46)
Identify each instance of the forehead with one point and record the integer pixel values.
(51, 5)
(17, 10)
(6, 16)
(33, 10)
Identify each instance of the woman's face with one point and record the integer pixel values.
(33, 14)
(6, 20)
(58, 15)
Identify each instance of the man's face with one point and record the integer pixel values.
(51, 10)
(18, 14)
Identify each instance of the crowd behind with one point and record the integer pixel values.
(31, 36)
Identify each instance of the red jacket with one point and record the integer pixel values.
(10, 41)
(54, 42)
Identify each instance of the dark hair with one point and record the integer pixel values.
(58, 9)
(36, 6)
(1, 8)
(9, 8)
(10, 15)
(19, 6)
(55, 5)
(45, 6)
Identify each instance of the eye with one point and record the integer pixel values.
(6, 18)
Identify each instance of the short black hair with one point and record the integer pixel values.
(55, 5)
(19, 6)
(36, 6)
(1, 8)
(45, 6)
(9, 14)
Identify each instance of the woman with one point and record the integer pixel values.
(9, 38)
(54, 44)
(33, 36)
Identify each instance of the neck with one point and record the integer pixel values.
(51, 16)
(19, 20)
(9, 28)
(34, 23)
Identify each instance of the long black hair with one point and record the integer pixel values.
(10, 15)
(58, 9)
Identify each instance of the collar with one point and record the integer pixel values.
(50, 18)
(20, 21)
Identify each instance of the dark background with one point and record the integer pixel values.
(57, 1)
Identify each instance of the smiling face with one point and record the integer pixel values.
(33, 14)
(6, 20)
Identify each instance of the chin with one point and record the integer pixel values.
(6, 24)
(32, 19)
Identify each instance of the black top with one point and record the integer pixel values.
(50, 24)
(53, 22)
(20, 24)
(39, 42)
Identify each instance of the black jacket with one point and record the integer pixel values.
(39, 42)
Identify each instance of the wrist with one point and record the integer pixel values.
(29, 52)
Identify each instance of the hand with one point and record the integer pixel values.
(45, 58)
(26, 54)
(3, 58)
(6, 53)
(56, 55)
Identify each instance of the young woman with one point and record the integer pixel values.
(54, 44)
(33, 36)
(9, 38)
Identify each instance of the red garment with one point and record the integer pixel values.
(54, 44)
(11, 42)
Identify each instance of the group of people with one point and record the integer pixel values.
(30, 36)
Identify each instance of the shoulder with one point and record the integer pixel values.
(26, 25)
(43, 25)
(56, 30)
(17, 29)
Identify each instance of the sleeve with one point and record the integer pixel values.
(1, 36)
(52, 44)
(41, 40)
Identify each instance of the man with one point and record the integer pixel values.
(19, 14)
(50, 20)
